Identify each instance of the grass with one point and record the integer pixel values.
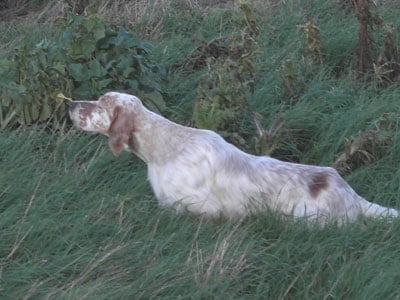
(78, 223)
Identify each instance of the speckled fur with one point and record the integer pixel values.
(196, 170)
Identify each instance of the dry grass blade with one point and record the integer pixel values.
(226, 259)
(269, 140)
(85, 274)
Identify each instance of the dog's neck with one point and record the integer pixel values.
(155, 136)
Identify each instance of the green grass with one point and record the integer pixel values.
(78, 223)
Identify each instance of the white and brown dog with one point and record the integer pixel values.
(198, 171)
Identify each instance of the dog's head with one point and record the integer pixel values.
(113, 115)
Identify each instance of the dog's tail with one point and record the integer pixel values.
(377, 211)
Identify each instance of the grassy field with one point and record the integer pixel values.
(78, 223)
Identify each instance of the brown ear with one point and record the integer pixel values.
(120, 131)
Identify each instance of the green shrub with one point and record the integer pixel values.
(29, 80)
(89, 58)
(223, 93)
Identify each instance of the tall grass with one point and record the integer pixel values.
(78, 223)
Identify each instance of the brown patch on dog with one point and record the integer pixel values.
(107, 102)
(319, 182)
(121, 131)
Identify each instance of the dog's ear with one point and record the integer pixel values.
(121, 130)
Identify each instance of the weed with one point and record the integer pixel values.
(387, 67)
(367, 147)
(293, 81)
(314, 50)
(367, 19)
(222, 102)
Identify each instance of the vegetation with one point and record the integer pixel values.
(78, 223)
(87, 59)
(222, 102)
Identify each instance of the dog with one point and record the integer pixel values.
(196, 170)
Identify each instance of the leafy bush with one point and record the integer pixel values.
(29, 79)
(89, 58)
(223, 93)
